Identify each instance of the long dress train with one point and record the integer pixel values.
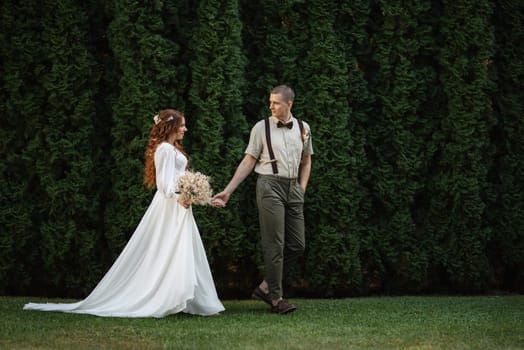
(163, 269)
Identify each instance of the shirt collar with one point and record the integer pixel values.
(276, 120)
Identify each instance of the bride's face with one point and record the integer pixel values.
(179, 133)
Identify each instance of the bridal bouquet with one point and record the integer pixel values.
(194, 188)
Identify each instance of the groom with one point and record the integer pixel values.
(279, 151)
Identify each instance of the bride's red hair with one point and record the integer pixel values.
(166, 122)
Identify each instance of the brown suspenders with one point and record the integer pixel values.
(270, 148)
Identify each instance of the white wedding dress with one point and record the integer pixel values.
(163, 269)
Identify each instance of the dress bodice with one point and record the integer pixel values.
(180, 161)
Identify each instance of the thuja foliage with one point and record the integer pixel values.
(464, 150)
(323, 87)
(505, 195)
(21, 105)
(61, 197)
(148, 81)
(399, 141)
(218, 129)
(416, 111)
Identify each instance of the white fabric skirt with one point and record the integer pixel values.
(162, 270)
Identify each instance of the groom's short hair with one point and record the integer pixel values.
(287, 93)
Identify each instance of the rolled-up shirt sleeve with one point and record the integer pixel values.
(255, 145)
(166, 173)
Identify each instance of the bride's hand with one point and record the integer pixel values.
(220, 199)
(182, 203)
(217, 202)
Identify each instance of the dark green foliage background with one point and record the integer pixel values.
(416, 110)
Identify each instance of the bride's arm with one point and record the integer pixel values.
(166, 174)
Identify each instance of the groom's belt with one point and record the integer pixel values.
(278, 177)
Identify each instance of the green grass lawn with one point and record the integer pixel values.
(434, 322)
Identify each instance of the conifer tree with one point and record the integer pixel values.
(218, 129)
(66, 202)
(505, 211)
(149, 81)
(398, 132)
(21, 104)
(274, 42)
(417, 187)
(457, 206)
(322, 100)
(352, 24)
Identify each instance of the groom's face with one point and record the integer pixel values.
(279, 108)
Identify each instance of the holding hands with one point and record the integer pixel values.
(244, 169)
(220, 199)
(214, 201)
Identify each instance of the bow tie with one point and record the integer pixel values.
(288, 125)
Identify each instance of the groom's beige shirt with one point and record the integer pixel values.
(287, 147)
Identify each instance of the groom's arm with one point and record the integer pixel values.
(305, 171)
(243, 170)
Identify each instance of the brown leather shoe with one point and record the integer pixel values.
(260, 295)
(283, 307)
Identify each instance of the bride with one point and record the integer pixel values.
(163, 269)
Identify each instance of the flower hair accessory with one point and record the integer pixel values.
(157, 119)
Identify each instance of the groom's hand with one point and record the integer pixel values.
(220, 199)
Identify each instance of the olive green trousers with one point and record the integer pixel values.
(280, 203)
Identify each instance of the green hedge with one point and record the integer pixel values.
(417, 120)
